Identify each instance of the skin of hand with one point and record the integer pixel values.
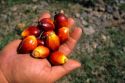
(22, 68)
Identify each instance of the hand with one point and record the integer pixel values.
(22, 68)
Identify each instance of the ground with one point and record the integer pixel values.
(101, 48)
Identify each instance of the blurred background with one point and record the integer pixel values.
(101, 49)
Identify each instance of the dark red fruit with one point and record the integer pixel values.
(31, 30)
(46, 24)
(60, 20)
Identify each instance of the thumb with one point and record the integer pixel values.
(59, 71)
(12, 46)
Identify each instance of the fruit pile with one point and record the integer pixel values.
(43, 40)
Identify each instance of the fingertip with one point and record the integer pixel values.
(71, 65)
(78, 30)
(60, 71)
(76, 34)
(71, 22)
(44, 15)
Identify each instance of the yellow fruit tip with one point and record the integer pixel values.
(36, 53)
(65, 59)
(22, 34)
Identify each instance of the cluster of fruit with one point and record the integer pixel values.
(43, 40)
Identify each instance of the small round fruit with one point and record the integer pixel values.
(40, 52)
(60, 20)
(46, 24)
(31, 30)
(58, 58)
(28, 44)
(52, 40)
(63, 34)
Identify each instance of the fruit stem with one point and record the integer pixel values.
(40, 35)
(65, 59)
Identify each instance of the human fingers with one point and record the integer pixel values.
(11, 47)
(58, 72)
(44, 15)
(71, 22)
(67, 47)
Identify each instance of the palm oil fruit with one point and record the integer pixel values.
(63, 34)
(28, 44)
(46, 24)
(40, 52)
(60, 20)
(52, 40)
(44, 39)
(58, 58)
(31, 30)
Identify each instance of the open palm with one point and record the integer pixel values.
(22, 68)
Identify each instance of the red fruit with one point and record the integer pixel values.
(58, 58)
(28, 44)
(31, 30)
(40, 42)
(52, 40)
(40, 52)
(60, 20)
(46, 24)
(63, 34)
